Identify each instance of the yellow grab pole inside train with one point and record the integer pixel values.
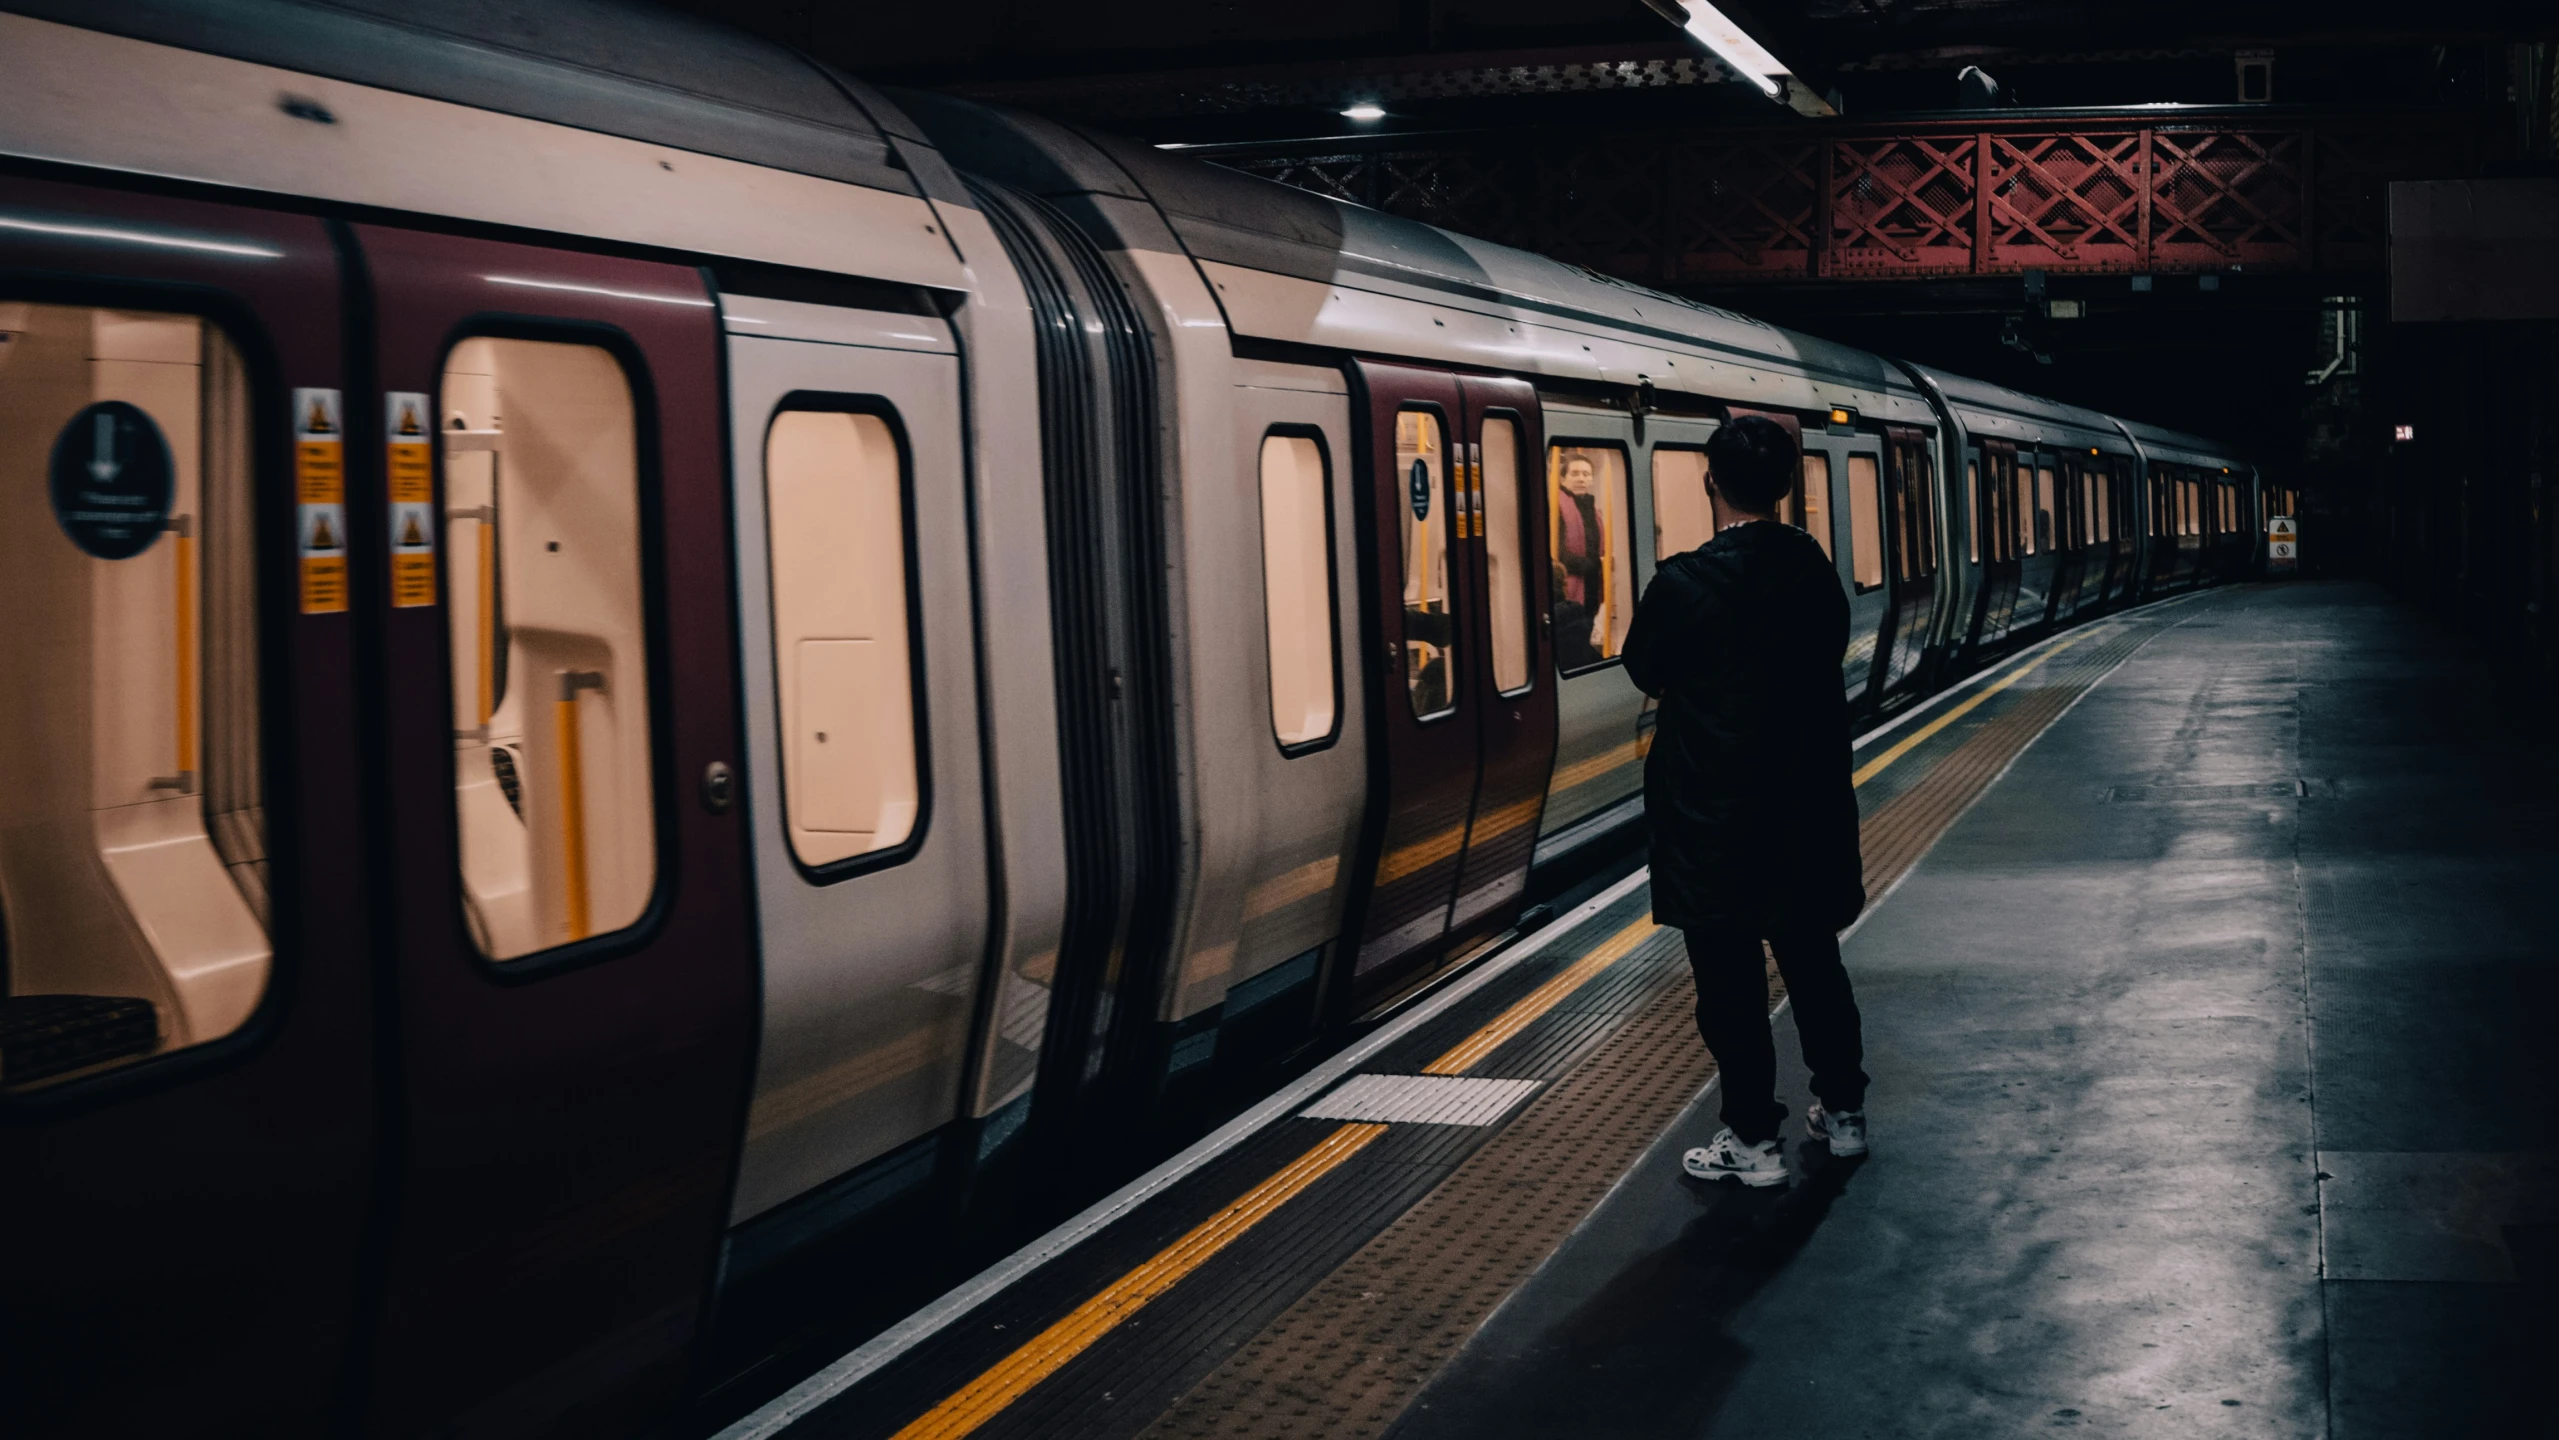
(186, 645)
(490, 636)
(573, 798)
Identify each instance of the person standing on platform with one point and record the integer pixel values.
(1748, 800)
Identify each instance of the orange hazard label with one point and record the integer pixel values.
(319, 487)
(410, 479)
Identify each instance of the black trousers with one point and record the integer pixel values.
(1732, 1017)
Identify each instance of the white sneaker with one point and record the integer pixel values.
(1727, 1158)
(1844, 1129)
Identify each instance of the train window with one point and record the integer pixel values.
(1683, 512)
(1506, 552)
(1297, 587)
(1430, 633)
(1972, 506)
(1594, 585)
(1817, 498)
(2044, 500)
(2101, 513)
(835, 525)
(1865, 521)
(1914, 538)
(133, 873)
(552, 790)
(2021, 501)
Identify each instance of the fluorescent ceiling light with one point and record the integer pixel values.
(1365, 110)
(1715, 30)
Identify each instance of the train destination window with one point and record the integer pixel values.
(1817, 498)
(1506, 553)
(1297, 587)
(835, 517)
(551, 756)
(1423, 527)
(1683, 513)
(1594, 583)
(1866, 521)
(133, 847)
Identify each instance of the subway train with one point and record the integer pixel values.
(650, 690)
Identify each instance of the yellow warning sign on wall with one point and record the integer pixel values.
(408, 431)
(320, 490)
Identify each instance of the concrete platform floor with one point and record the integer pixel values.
(2214, 1085)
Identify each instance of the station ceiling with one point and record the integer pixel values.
(1230, 70)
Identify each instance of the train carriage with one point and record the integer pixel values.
(638, 660)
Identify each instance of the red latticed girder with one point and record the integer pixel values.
(2225, 197)
(1603, 208)
(2066, 202)
(1990, 198)
(1336, 177)
(1743, 211)
(1902, 205)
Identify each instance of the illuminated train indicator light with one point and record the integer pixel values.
(2092, 449)
(1843, 421)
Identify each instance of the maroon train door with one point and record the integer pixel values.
(1515, 687)
(1466, 719)
(574, 972)
(187, 1097)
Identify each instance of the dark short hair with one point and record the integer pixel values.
(1754, 462)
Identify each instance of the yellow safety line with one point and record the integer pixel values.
(1875, 767)
(1540, 1000)
(1012, 1377)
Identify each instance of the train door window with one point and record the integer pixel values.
(1817, 498)
(1594, 583)
(2083, 530)
(1972, 507)
(835, 519)
(133, 872)
(1506, 552)
(2021, 476)
(1914, 539)
(2045, 501)
(1430, 634)
(2101, 510)
(1683, 511)
(1865, 521)
(552, 787)
(1297, 587)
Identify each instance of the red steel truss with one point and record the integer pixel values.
(2092, 195)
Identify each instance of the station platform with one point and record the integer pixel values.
(2204, 978)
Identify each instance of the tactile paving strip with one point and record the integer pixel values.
(1353, 1351)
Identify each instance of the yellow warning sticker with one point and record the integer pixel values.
(320, 485)
(408, 433)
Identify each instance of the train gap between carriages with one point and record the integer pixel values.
(1410, 1181)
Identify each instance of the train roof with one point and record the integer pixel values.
(617, 68)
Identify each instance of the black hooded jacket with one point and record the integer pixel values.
(1747, 791)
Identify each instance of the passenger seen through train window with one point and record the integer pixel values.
(1594, 597)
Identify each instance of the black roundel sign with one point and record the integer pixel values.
(1421, 483)
(112, 480)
